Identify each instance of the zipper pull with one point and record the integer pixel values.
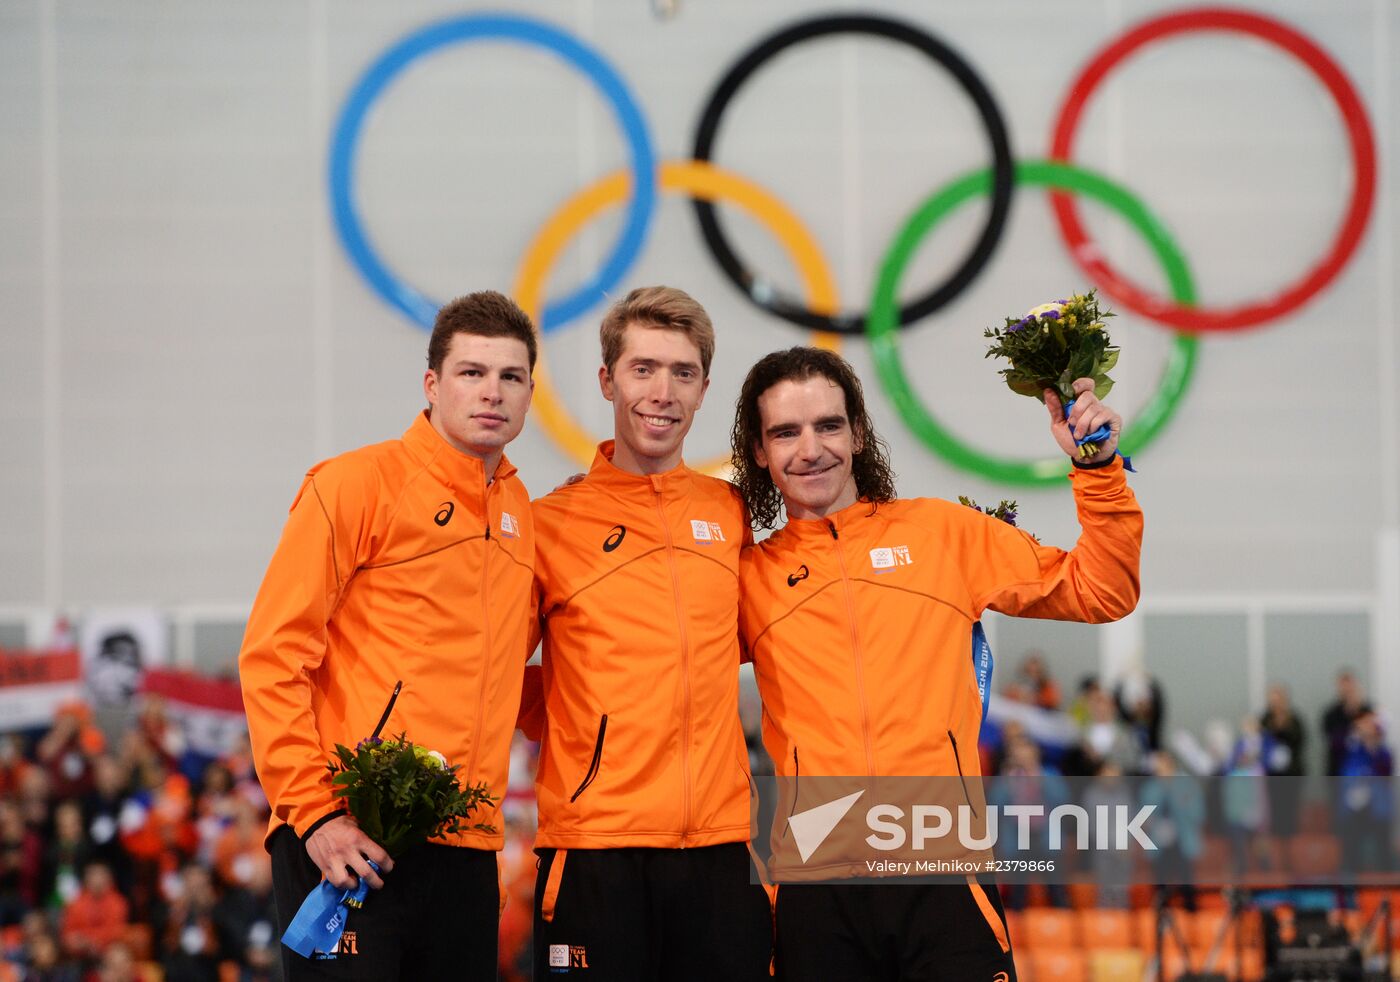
(831, 526)
(488, 531)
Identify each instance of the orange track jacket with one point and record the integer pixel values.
(638, 580)
(398, 561)
(860, 624)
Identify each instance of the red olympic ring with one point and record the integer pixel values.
(1086, 254)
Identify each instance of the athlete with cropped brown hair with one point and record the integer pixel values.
(406, 560)
(858, 615)
(643, 781)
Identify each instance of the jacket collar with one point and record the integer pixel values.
(613, 478)
(459, 471)
(806, 529)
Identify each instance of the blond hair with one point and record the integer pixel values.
(662, 307)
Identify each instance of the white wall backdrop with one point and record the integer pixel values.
(181, 334)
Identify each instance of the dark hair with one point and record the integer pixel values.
(485, 313)
(662, 307)
(870, 464)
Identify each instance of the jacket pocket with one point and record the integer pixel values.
(597, 760)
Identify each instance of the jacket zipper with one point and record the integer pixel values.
(685, 674)
(597, 759)
(486, 630)
(855, 650)
(957, 759)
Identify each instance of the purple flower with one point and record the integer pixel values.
(1050, 315)
(1018, 325)
(368, 742)
(1009, 517)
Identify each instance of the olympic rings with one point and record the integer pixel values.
(755, 288)
(476, 27)
(884, 336)
(1363, 152)
(701, 180)
(639, 186)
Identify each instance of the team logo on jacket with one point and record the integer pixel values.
(567, 956)
(510, 526)
(801, 574)
(615, 537)
(706, 533)
(886, 558)
(444, 514)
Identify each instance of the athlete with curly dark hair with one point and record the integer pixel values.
(858, 616)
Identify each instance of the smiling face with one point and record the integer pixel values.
(808, 445)
(480, 395)
(656, 385)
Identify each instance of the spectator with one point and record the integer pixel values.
(1112, 868)
(1245, 799)
(102, 810)
(12, 763)
(1337, 721)
(1103, 739)
(21, 864)
(97, 916)
(1177, 824)
(1366, 803)
(190, 940)
(68, 854)
(68, 749)
(45, 962)
(1079, 709)
(1283, 726)
(118, 965)
(1033, 683)
(1025, 780)
(1142, 707)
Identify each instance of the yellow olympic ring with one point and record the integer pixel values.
(700, 180)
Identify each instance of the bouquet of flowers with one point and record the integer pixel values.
(400, 794)
(1053, 345)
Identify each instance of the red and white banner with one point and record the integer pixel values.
(209, 711)
(33, 684)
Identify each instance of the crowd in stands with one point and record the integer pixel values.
(132, 860)
(125, 856)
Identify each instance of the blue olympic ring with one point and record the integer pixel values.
(475, 27)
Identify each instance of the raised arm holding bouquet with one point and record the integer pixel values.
(1060, 354)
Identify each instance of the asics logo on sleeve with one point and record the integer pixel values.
(619, 532)
(445, 515)
(799, 576)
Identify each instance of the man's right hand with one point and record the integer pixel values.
(339, 844)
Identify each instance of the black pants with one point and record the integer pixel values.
(651, 915)
(879, 932)
(436, 917)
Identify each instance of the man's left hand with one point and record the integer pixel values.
(1087, 415)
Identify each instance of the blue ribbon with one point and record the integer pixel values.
(982, 665)
(1099, 436)
(321, 919)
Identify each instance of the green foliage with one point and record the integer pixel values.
(1053, 345)
(1005, 511)
(402, 794)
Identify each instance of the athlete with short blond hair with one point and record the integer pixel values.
(643, 781)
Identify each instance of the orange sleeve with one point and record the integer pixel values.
(1095, 582)
(286, 640)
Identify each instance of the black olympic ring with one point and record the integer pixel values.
(1002, 167)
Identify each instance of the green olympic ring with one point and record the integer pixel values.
(883, 321)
